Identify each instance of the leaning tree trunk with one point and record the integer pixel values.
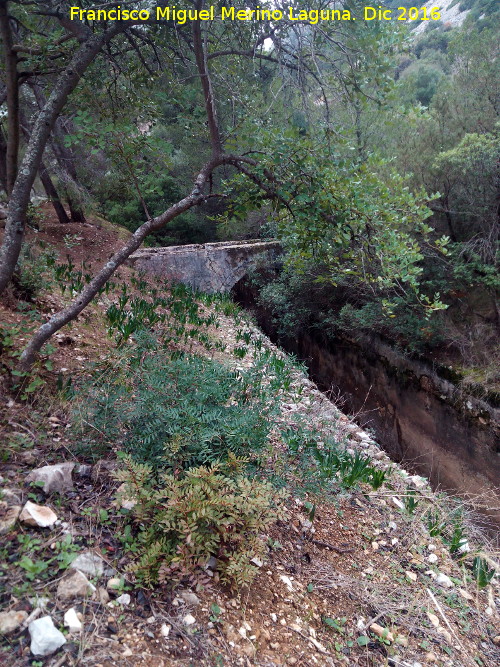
(63, 156)
(11, 80)
(76, 211)
(20, 196)
(53, 195)
(48, 185)
(3, 161)
(69, 313)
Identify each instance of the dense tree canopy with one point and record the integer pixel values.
(340, 137)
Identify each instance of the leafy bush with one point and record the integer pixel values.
(177, 411)
(181, 522)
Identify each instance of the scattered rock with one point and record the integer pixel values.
(430, 657)
(12, 496)
(45, 637)
(444, 580)
(74, 584)
(101, 595)
(11, 620)
(257, 562)
(189, 620)
(72, 621)
(397, 502)
(83, 470)
(31, 456)
(411, 575)
(286, 580)
(496, 640)
(230, 633)
(445, 634)
(248, 649)
(8, 516)
(124, 599)
(37, 515)
(111, 625)
(417, 481)
(211, 563)
(433, 619)
(384, 633)
(165, 630)
(114, 584)
(89, 563)
(56, 478)
(432, 558)
(189, 598)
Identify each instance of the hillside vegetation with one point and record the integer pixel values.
(214, 507)
(173, 489)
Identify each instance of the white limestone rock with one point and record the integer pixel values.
(72, 621)
(8, 516)
(73, 585)
(45, 637)
(56, 478)
(39, 516)
(10, 621)
(89, 563)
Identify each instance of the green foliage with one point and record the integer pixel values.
(410, 502)
(350, 468)
(422, 80)
(457, 539)
(182, 521)
(358, 225)
(435, 523)
(25, 383)
(482, 573)
(178, 411)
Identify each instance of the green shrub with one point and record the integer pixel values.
(176, 411)
(181, 522)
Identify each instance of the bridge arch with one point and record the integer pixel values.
(208, 267)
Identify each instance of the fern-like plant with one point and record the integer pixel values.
(181, 521)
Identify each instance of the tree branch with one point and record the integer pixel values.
(69, 313)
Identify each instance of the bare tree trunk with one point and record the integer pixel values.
(3, 161)
(10, 61)
(48, 185)
(52, 194)
(20, 196)
(69, 313)
(206, 84)
(63, 156)
(76, 212)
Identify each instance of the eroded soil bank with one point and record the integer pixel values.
(421, 419)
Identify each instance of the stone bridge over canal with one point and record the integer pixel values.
(208, 267)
